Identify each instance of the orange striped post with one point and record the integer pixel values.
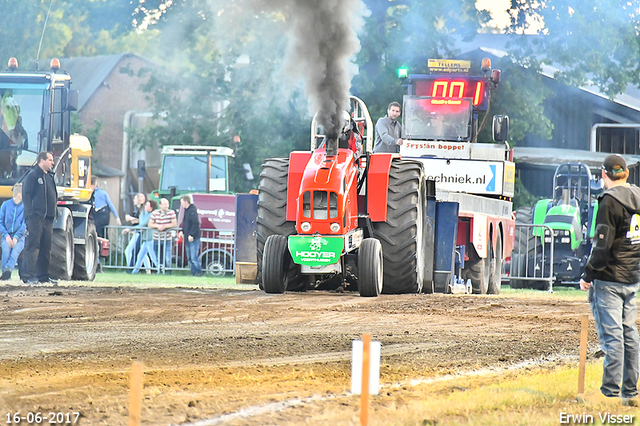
(364, 394)
(583, 354)
(135, 394)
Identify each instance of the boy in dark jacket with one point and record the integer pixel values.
(612, 276)
(191, 234)
(13, 230)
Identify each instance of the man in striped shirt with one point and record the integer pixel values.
(162, 221)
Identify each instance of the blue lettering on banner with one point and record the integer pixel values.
(491, 186)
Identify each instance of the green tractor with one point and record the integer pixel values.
(571, 216)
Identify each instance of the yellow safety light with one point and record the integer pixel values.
(486, 64)
(55, 64)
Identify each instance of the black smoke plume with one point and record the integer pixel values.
(322, 43)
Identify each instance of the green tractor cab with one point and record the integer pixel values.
(570, 216)
(190, 169)
(564, 219)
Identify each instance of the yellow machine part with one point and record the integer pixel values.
(78, 184)
(5, 192)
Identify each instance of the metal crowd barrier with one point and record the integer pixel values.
(216, 251)
(532, 257)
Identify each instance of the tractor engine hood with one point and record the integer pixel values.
(322, 197)
(327, 172)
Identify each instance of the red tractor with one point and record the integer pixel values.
(334, 216)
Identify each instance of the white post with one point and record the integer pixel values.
(374, 367)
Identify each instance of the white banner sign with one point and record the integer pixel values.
(411, 148)
(470, 176)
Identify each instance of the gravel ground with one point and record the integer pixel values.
(243, 357)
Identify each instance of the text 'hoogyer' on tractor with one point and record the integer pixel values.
(570, 217)
(339, 216)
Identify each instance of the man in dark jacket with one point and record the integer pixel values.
(40, 198)
(191, 234)
(612, 277)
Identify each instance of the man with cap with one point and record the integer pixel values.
(612, 277)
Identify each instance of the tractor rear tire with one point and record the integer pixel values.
(402, 235)
(275, 264)
(86, 256)
(495, 276)
(272, 213)
(62, 252)
(370, 270)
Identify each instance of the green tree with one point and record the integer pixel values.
(266, 111)
(593, 42)
(92, 133)
(233, 51)
(406, 34)
(90, 27)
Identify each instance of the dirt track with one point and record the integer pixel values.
(210, 353)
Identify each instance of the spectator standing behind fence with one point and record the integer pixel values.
(13, 229)
(191, 234)
(135, 242)
(103, 208)
(40, 199)
(139, 203)
(162, 221)
(146, 245)
(612, 276)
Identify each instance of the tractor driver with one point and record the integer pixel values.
(13, 136)
(350, 138)
(439, 128)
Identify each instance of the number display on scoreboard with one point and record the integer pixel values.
(451, 90)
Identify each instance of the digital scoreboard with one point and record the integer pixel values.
(450, 89)
(449, 82)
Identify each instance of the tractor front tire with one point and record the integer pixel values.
(85, 263)
(272, 216)
(62, 252)
(402, 235)
(275, 265)
(370, 269)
